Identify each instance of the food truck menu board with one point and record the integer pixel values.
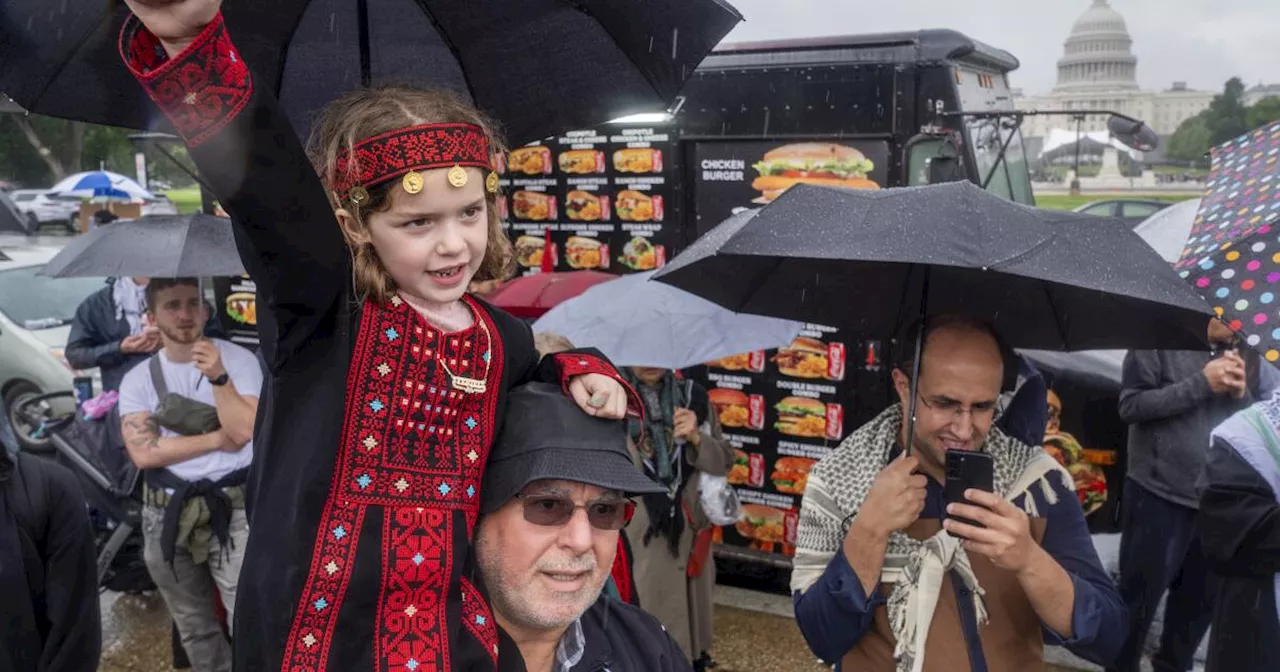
(596, 199)
(784, 409)
(236, 300)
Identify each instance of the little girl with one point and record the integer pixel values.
(382, 405)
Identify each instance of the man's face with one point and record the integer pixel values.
(179, 314)
(544, 577)
(1220, 333)
(960, 375)
(648, 375)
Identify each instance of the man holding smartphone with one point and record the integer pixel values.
(885, 576)
(1172, 400)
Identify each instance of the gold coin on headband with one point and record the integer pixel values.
(412, 182)
(491, 183)
(458, 176)
(358, 195)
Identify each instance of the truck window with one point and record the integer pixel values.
(1010, 179)
(918, 161)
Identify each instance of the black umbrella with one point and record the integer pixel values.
(875, 261)
(156, 246)
(538, 66)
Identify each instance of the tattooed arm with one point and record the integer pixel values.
(149, 451)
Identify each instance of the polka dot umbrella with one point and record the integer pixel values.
(1232, 257)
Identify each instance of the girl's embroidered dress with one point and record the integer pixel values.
(369, 462)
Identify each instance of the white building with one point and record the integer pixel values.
(1099, 71)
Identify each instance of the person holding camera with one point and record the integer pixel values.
(1172, 400)
(891, 575)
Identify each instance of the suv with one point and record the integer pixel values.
(43, 208)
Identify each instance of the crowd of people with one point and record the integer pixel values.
(406, 477)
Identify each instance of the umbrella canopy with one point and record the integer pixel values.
(636, 322)
(532, 296)
(875, 261)
(156, 246)
(101, 183)
(1167, 230)
(1232, 257)
(522, 61)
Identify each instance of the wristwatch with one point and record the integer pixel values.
(220, 380)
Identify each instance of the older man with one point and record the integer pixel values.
(886, 577)
(555, 495)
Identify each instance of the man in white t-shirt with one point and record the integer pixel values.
(187, 415)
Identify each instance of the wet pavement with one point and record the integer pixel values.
(135, 634)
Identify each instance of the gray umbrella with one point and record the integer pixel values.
(156, 246)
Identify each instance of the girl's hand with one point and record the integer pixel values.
(599, 395)
(175, 22)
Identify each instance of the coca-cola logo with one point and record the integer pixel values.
(835, 361)
(757, 412)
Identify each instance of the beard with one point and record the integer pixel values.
(523, 600)
(180, 335)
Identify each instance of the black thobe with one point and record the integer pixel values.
(1240, 531)
(368, 463)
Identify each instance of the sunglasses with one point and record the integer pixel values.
(554, 510)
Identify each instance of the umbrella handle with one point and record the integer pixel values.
(915, 365)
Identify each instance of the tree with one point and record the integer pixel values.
(37, 151)
(1192, 140)
(1264, 112)
(1228, 118)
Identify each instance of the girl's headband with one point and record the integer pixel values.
(404, 152)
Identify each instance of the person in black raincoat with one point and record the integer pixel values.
(1240, 511)
(49, 619)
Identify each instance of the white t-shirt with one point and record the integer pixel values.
(138, 395)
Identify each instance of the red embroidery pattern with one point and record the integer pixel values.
(390, 155)
(416, 447)
(202, 90)
(577, 364)
(478, 619)
(335, 554)
(416, 563)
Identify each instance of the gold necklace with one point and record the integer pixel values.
(465, 384)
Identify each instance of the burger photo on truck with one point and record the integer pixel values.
(823, 163)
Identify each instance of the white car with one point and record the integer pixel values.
(42, 207)
(35, 322)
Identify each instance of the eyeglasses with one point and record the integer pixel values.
(554, 510)
(984, 410)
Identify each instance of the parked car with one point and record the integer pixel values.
(1131, 210)
(42, 207)
(35, 321)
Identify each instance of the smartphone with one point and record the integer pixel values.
(967, 470)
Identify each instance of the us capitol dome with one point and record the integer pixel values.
(1098, 70)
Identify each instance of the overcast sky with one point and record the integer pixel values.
(1202, 42)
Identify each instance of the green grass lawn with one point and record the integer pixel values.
(1067, 202)
(187, 199)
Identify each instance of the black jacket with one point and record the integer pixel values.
(96, 334)
(48, 572)
(1171, 410)
(623, 638)
(1240, 532)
